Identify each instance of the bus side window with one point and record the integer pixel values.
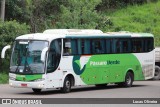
(67, 47)
(79, 47)
(134, 47)
(96, 47)
(125, 46)
(137, 45)
(118, 46)
(149, 45)
(74, 47)
(87, 47)
(108, 46)
(103, 46)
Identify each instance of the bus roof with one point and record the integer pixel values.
(73, 31)
(51, 34)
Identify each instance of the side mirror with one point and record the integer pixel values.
(43, 54)
(4, 50)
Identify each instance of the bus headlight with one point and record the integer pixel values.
(12, 78)
(10, 84)
(37, 80)
(40, 85)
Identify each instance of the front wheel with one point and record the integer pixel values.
(35, 90)
(66, 85)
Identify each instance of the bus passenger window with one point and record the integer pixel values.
(118, 46)
(108, 46)
(125, 46)
(96, 47)
(149, 45)
(137, 46)
(87, 46)
(67, 47)
(74, 47)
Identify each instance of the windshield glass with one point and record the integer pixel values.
(26, 57)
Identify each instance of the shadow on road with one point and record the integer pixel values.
(80, 89)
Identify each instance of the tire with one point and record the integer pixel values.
(157, 73)
(35, 90)
(128, 80)
(66, 85)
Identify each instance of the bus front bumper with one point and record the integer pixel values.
(22, 84)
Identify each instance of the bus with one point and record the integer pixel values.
(63, 58)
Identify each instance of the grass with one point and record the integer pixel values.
(3, 78)
(137, 18)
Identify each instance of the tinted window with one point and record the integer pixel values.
(107, 46)
(54, 55)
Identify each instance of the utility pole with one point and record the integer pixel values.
(2, 10)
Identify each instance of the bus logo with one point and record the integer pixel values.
(77, 66)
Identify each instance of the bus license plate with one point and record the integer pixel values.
(24, 85)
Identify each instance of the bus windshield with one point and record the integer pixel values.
(26, 57)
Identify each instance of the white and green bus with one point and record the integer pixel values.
(62, 58)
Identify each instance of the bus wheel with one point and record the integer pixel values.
(66, 86)
(128, 80)
(35, 90)
(157, 73)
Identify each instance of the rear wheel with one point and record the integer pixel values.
(66, 85)
(128, 80)
(35, 90)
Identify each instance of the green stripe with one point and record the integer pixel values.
(28, 77)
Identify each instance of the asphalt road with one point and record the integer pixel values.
(140, 89)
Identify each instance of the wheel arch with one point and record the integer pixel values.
(131, 71)
(71, 77)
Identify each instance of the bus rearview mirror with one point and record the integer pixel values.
(4, 51)
(43, 54)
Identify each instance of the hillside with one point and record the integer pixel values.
(137, 18)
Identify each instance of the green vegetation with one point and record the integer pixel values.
(138, 18)
(3, 78)
(29, 16)
(80, 14)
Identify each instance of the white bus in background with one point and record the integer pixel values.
(62, 58)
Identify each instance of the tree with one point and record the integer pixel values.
(9, 30)
(2, 9)
(43, 11)
(78, 14)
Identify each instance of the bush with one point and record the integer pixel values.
(9, 30)
(3, 78)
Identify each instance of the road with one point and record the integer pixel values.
(140, 89)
